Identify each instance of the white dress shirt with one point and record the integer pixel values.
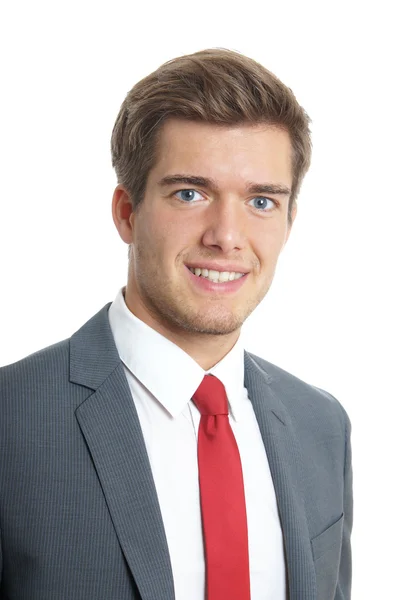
(162, 379)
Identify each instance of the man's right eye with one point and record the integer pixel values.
(186, 195)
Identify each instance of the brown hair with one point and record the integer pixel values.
(217, 86)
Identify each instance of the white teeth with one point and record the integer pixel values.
(224, 276)
(216, 276)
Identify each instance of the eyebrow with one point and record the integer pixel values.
(252, 188)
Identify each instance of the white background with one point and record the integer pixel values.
(330, 317)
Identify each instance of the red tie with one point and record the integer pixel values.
(222, 497)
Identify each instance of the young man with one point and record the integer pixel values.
(150, 456)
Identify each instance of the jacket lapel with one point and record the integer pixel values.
(110, 425)
(283, 452)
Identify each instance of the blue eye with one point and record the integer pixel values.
(187, 195)
(263, 203)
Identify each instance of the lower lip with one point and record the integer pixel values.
(226, 287)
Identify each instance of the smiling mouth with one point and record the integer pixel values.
(216, 276)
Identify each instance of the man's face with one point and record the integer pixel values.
(226, 228)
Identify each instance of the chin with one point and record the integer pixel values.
(223, 323)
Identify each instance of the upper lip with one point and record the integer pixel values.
(216, 266)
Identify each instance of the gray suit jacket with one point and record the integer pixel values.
(79, 513)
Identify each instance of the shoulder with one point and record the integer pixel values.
(52, 364)
(38, 360)
(301, 399)
(42, 370)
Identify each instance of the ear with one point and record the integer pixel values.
(122, 213)
(290, 225)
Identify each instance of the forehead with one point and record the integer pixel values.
(225, 153)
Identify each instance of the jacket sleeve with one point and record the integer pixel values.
(343, 590)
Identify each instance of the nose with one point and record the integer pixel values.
(224, 227)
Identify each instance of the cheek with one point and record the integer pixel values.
(176, 233)
(268, 243)
(150, 230)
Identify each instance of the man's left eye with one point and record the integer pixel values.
(263, 202)
(187, 195)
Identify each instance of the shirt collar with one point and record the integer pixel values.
(167, 371)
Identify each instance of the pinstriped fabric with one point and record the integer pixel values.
(115, 439)
(79, 513)
(58, 534)
(93, 354)
(58, 539)
(306, 433)
(287, 477)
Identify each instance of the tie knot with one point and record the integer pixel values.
(210, 398)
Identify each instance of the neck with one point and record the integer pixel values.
(206, 349)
